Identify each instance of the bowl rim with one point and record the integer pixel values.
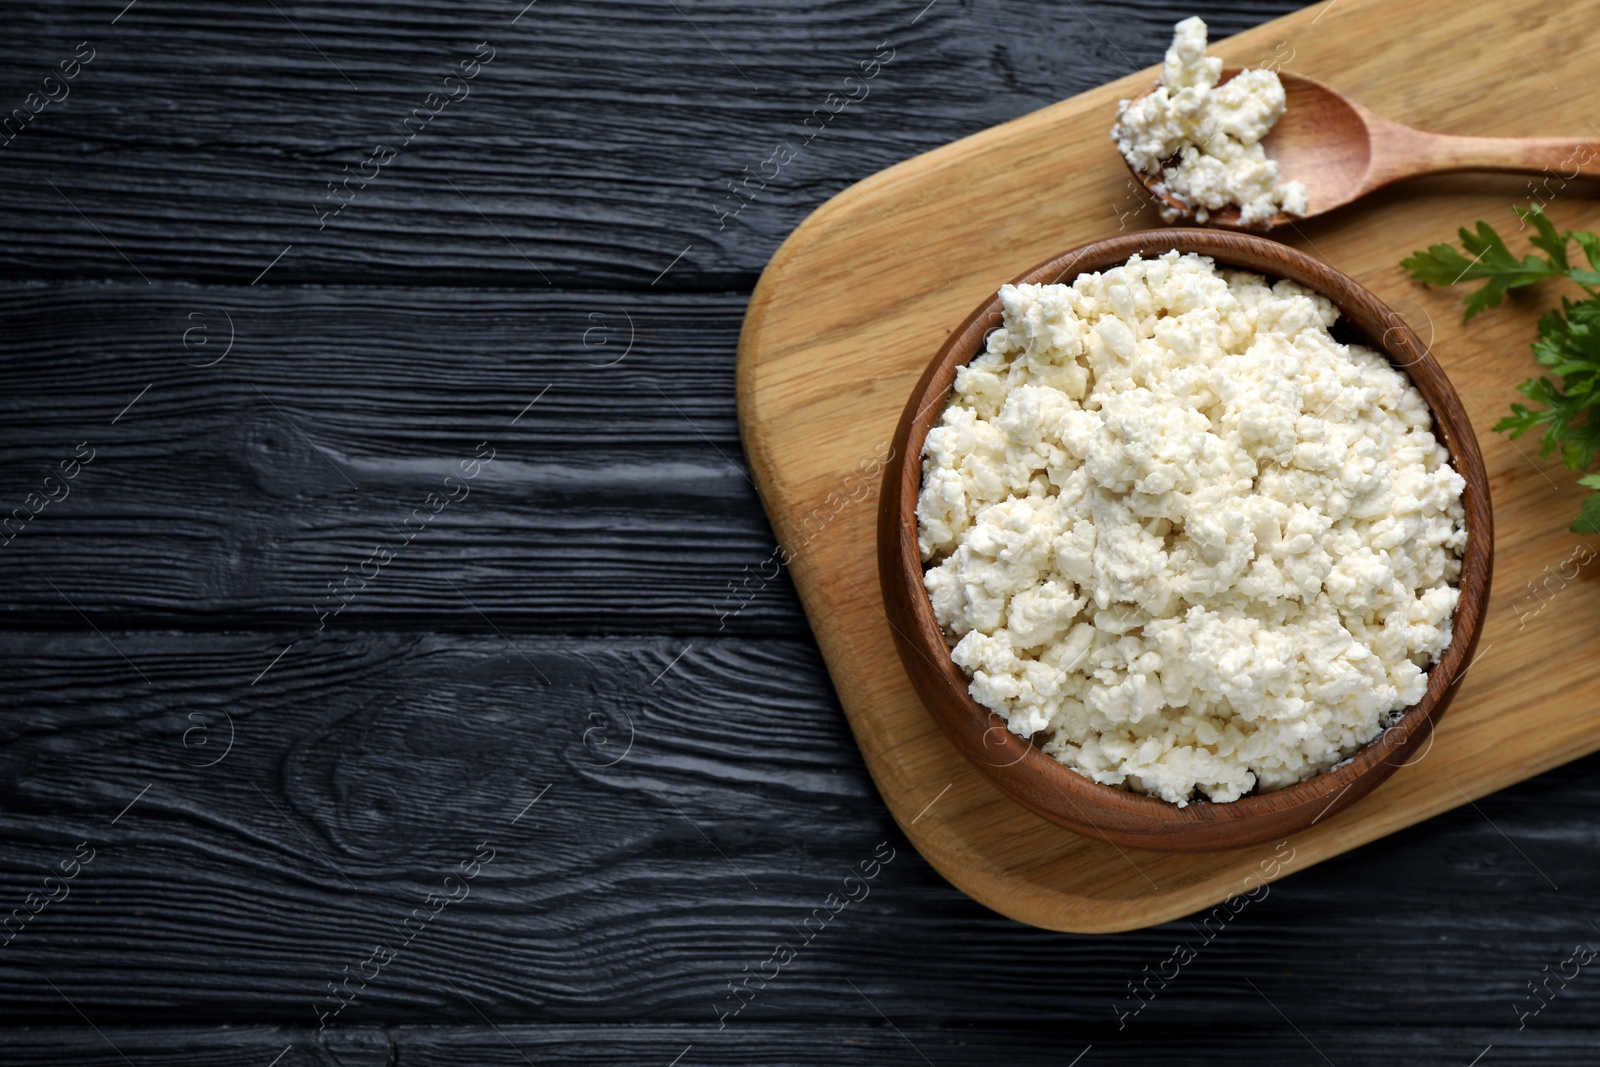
(1039, 781)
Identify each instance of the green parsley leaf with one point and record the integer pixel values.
(1545, 238)
(1493, 263)
(1590, 243)
(1566, 412)
(1588, 520)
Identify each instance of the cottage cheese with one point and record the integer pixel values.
(1183, 538)
(1203, 140)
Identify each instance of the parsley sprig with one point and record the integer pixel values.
(1569, 336)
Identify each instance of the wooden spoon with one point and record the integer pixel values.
(1342, 151)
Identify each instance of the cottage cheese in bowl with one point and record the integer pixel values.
(1201, 141)
(1184, 538)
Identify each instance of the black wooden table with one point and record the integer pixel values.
(380, 685)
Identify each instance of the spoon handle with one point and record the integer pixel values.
(1557, 158)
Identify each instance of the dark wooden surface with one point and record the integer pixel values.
(301, 781)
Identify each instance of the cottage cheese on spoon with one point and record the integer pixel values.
(1202, 141)
(1184, 538)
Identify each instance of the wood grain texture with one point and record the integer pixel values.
(622, 894)
(831, 1045)
(892, 265)
(362, 770)
(618, 502)
(599, 143)
(194, 1046)
(1044, 785)
(595, 148)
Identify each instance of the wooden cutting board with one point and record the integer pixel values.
(858, 299)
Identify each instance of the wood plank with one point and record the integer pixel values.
(636, 892)
(595, 148)
(879, 1044)
(617, 502)
(802, 1046)
(892, 265)
(245, 1046)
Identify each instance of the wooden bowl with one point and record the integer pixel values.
(1049, 788)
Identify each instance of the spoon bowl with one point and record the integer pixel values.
(1343, 150)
